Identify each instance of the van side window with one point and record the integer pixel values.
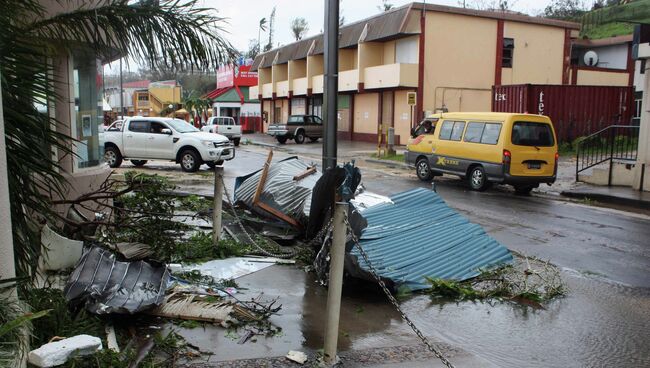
(491, 133)
(474, 132)
(457, 131)
(445, 130)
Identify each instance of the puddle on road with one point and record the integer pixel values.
(597, 324)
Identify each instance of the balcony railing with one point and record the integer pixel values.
(300, 86)
(391, 75)
(349, 80)
(282, 89)
(267, 90)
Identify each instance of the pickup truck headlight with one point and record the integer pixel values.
(208, 143)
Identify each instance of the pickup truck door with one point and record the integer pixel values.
(159, 144)
(316, 127)
(135, 139)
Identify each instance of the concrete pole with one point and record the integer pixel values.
(335, 285)
(7, 265)
(330, 86)
(218, 200)
(121, 93)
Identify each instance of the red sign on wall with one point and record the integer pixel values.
(246, 78)
(225, 77)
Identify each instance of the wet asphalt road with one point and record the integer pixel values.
(602, 322)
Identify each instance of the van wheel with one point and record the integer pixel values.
(112, 156)
(138, 163)
(300, 137)
(190, 161)
(281, 140)
(478, 179)
(523, 190)
(423, 170)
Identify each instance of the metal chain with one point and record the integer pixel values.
(288, 254)
(259, 248)
(392, 299)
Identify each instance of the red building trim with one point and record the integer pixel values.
(420, 92)
(566, 61)
(499, 54)
(361, 87)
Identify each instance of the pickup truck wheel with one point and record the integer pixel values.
(313, 139)
(281, 140)
(236, 141)
(190, 161)
(300, 137)
(138, 163)
(112, 157)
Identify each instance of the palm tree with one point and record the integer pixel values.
(178, 34)
(262, 28)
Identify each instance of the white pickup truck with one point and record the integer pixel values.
(224, 125)
(149, 138)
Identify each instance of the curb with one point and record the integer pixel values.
(388, 163)
(605, 198)
(256, 143)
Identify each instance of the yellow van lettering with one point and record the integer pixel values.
(443, 161)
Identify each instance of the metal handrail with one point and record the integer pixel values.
(615, 142)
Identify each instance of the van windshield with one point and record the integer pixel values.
(525, 133)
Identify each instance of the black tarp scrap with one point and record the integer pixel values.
(105, 285)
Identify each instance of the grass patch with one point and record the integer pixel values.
(398, 157)
(608, 30)
(199, 248)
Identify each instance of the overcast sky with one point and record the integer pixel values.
(244, 15)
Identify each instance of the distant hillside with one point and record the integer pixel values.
(608, 30)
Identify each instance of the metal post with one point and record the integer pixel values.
(218, 198)
(330, 87)
(337, 254)
(391, 141)
(121, 93)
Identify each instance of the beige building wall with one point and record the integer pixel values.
(266, 110)
(600, 78)
(402, 116)
(366, 113)
(297, 69)
(263, 77)
(167, 94)
(348, 59)
(538, 54)
(389, 52)
(470, 65)
(279, 72)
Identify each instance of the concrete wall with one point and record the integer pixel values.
(366, 109)
(389, 52)
(348, 59)
(639, 78)
(466, 60)
(601, 78)
(402, 116)
(7, 267)
(538, 54)
(644, 131)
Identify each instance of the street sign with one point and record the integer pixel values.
(411, 97)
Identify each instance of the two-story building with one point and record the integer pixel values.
(451, 57)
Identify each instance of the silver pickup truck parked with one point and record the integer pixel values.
(298, 127)
(226, 126)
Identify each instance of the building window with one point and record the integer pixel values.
(277, 115)
(508, 52)
(406, 50)
(89, 117)
(642, 66)
(638, 98)
(316, 106)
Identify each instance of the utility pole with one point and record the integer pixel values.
(330, 87)
(121, 93)
(335, 283)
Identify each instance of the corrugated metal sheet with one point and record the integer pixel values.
(281, 192)
(106, 285)
(575, 110)
(419, 235)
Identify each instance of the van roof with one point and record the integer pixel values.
(478, 115)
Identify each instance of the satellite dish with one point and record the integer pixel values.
(591, 58)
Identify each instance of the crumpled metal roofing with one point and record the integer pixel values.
(281, 192)
(419, 235)
(106, 285)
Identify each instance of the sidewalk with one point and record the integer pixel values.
(623, 196)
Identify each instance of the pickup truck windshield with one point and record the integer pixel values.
(181, 126)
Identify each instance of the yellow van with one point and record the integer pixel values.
(486, 148)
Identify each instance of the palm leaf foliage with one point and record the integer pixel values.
(179, 34)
